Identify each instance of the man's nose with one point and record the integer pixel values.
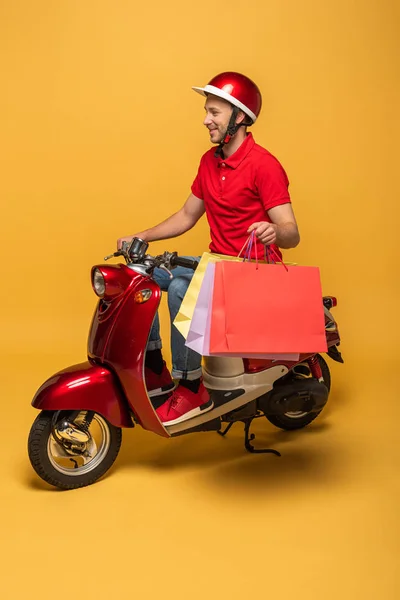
(207, 121)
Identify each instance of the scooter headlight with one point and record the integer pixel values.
(98, 283)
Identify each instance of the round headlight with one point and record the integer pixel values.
(99, 284)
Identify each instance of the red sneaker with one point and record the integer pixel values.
(158, 384)
(184, 404)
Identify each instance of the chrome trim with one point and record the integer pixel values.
(141, 269)
(298, 414)
(90, 455)
(67, 431)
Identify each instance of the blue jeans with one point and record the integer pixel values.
(186, 364)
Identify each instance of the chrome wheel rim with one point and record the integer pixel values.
(296, 414)
(78, 464)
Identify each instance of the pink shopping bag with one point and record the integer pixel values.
(198, 338)
(266, 308)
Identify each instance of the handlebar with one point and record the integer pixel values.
(178, 261)
(135, 253)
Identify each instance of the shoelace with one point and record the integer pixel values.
(173, 401)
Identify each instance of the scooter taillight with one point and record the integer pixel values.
(330, 302)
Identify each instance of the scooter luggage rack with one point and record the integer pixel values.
(249, 437)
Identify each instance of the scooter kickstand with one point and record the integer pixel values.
(225, 431)
(248, 437)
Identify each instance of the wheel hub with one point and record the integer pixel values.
(64, 430)
(74, 449)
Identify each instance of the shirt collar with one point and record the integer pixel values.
(237, 157)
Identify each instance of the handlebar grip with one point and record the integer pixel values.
(178, 261)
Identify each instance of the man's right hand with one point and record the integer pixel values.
(127, 238)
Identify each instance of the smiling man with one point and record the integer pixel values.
(242, 188)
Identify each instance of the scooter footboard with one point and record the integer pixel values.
(86, 386)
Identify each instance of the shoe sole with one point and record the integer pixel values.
(161, 391)
(192, 413)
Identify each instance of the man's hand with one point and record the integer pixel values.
(265, 232)
(283, 230)
(128, 239)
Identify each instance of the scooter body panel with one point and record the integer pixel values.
(85, 386)
(242, 388)
(120, 343)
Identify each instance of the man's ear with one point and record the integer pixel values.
(241, 117)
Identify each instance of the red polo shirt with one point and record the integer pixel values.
(239, 191)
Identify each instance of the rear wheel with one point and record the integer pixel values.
(296, 420)
(72, 463)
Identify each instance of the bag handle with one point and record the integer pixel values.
(245, 245)
(269, 252)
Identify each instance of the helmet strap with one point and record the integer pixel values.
(232, 129)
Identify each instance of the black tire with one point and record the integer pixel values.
(289, 423)
(38, 450)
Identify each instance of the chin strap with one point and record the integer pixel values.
(232, 129)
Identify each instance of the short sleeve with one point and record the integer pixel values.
(197, 187)
(272, 183)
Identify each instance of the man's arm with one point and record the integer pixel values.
(175, 225)
(283, 230)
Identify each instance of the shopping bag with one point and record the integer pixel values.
(198, 338)
(183, 318)
(266, 308)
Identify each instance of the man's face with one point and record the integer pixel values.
(218, 113)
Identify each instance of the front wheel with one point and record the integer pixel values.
(76, 457)
(296, 420)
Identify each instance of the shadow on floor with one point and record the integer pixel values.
(307, 455)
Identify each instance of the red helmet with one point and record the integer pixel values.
(237, 89)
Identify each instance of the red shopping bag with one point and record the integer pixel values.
(266, 308)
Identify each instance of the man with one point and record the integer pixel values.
(242, 188)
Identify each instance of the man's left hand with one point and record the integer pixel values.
(265, 232)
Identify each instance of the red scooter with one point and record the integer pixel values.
(77, 435)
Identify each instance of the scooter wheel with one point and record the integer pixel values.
(297, 420)
(69, 466)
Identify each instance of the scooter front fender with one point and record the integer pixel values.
(86, 386)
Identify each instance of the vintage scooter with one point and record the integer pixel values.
(77, 435)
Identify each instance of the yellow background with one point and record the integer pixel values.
(101, 137)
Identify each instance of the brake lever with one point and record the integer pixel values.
(167, 270)
(115, 254)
